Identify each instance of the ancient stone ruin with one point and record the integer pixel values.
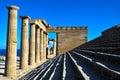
(73, 56)
(34, 50)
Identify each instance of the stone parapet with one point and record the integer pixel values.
(67, 28)
(40, 23)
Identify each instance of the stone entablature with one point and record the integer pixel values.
(40, 23)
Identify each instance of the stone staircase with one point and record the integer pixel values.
(106, 64)
(108, 42)
(78, 65)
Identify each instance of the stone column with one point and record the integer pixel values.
(47, 45)
(32, 44)
(37, 56)
(48, 52)
(10, 65)
(54, 48)
(41, 45)
(24, 43)
(57, 50)
(44, 45)
(49, 48)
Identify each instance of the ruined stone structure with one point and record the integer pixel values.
(38, 42)
(69, 38)
(35, 49)
(82, 58)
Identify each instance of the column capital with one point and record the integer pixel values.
(24, 17)
(12, 7)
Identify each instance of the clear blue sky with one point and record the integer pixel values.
(98, 15)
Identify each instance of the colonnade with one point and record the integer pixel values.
(33, 50)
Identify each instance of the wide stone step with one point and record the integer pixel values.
(75, 65)
(43, 73)
(82, 75)
(115, 59)
(39, 70)
(70, 70)
(111, 61)
(57, 71)
(87, 67)
(102, 68)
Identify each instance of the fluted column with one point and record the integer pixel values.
(24, 43)
(41, 45)
(32, 44)
(10, 65)
(37, 56)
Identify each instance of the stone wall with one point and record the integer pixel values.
(69, 38)
(109, 41)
